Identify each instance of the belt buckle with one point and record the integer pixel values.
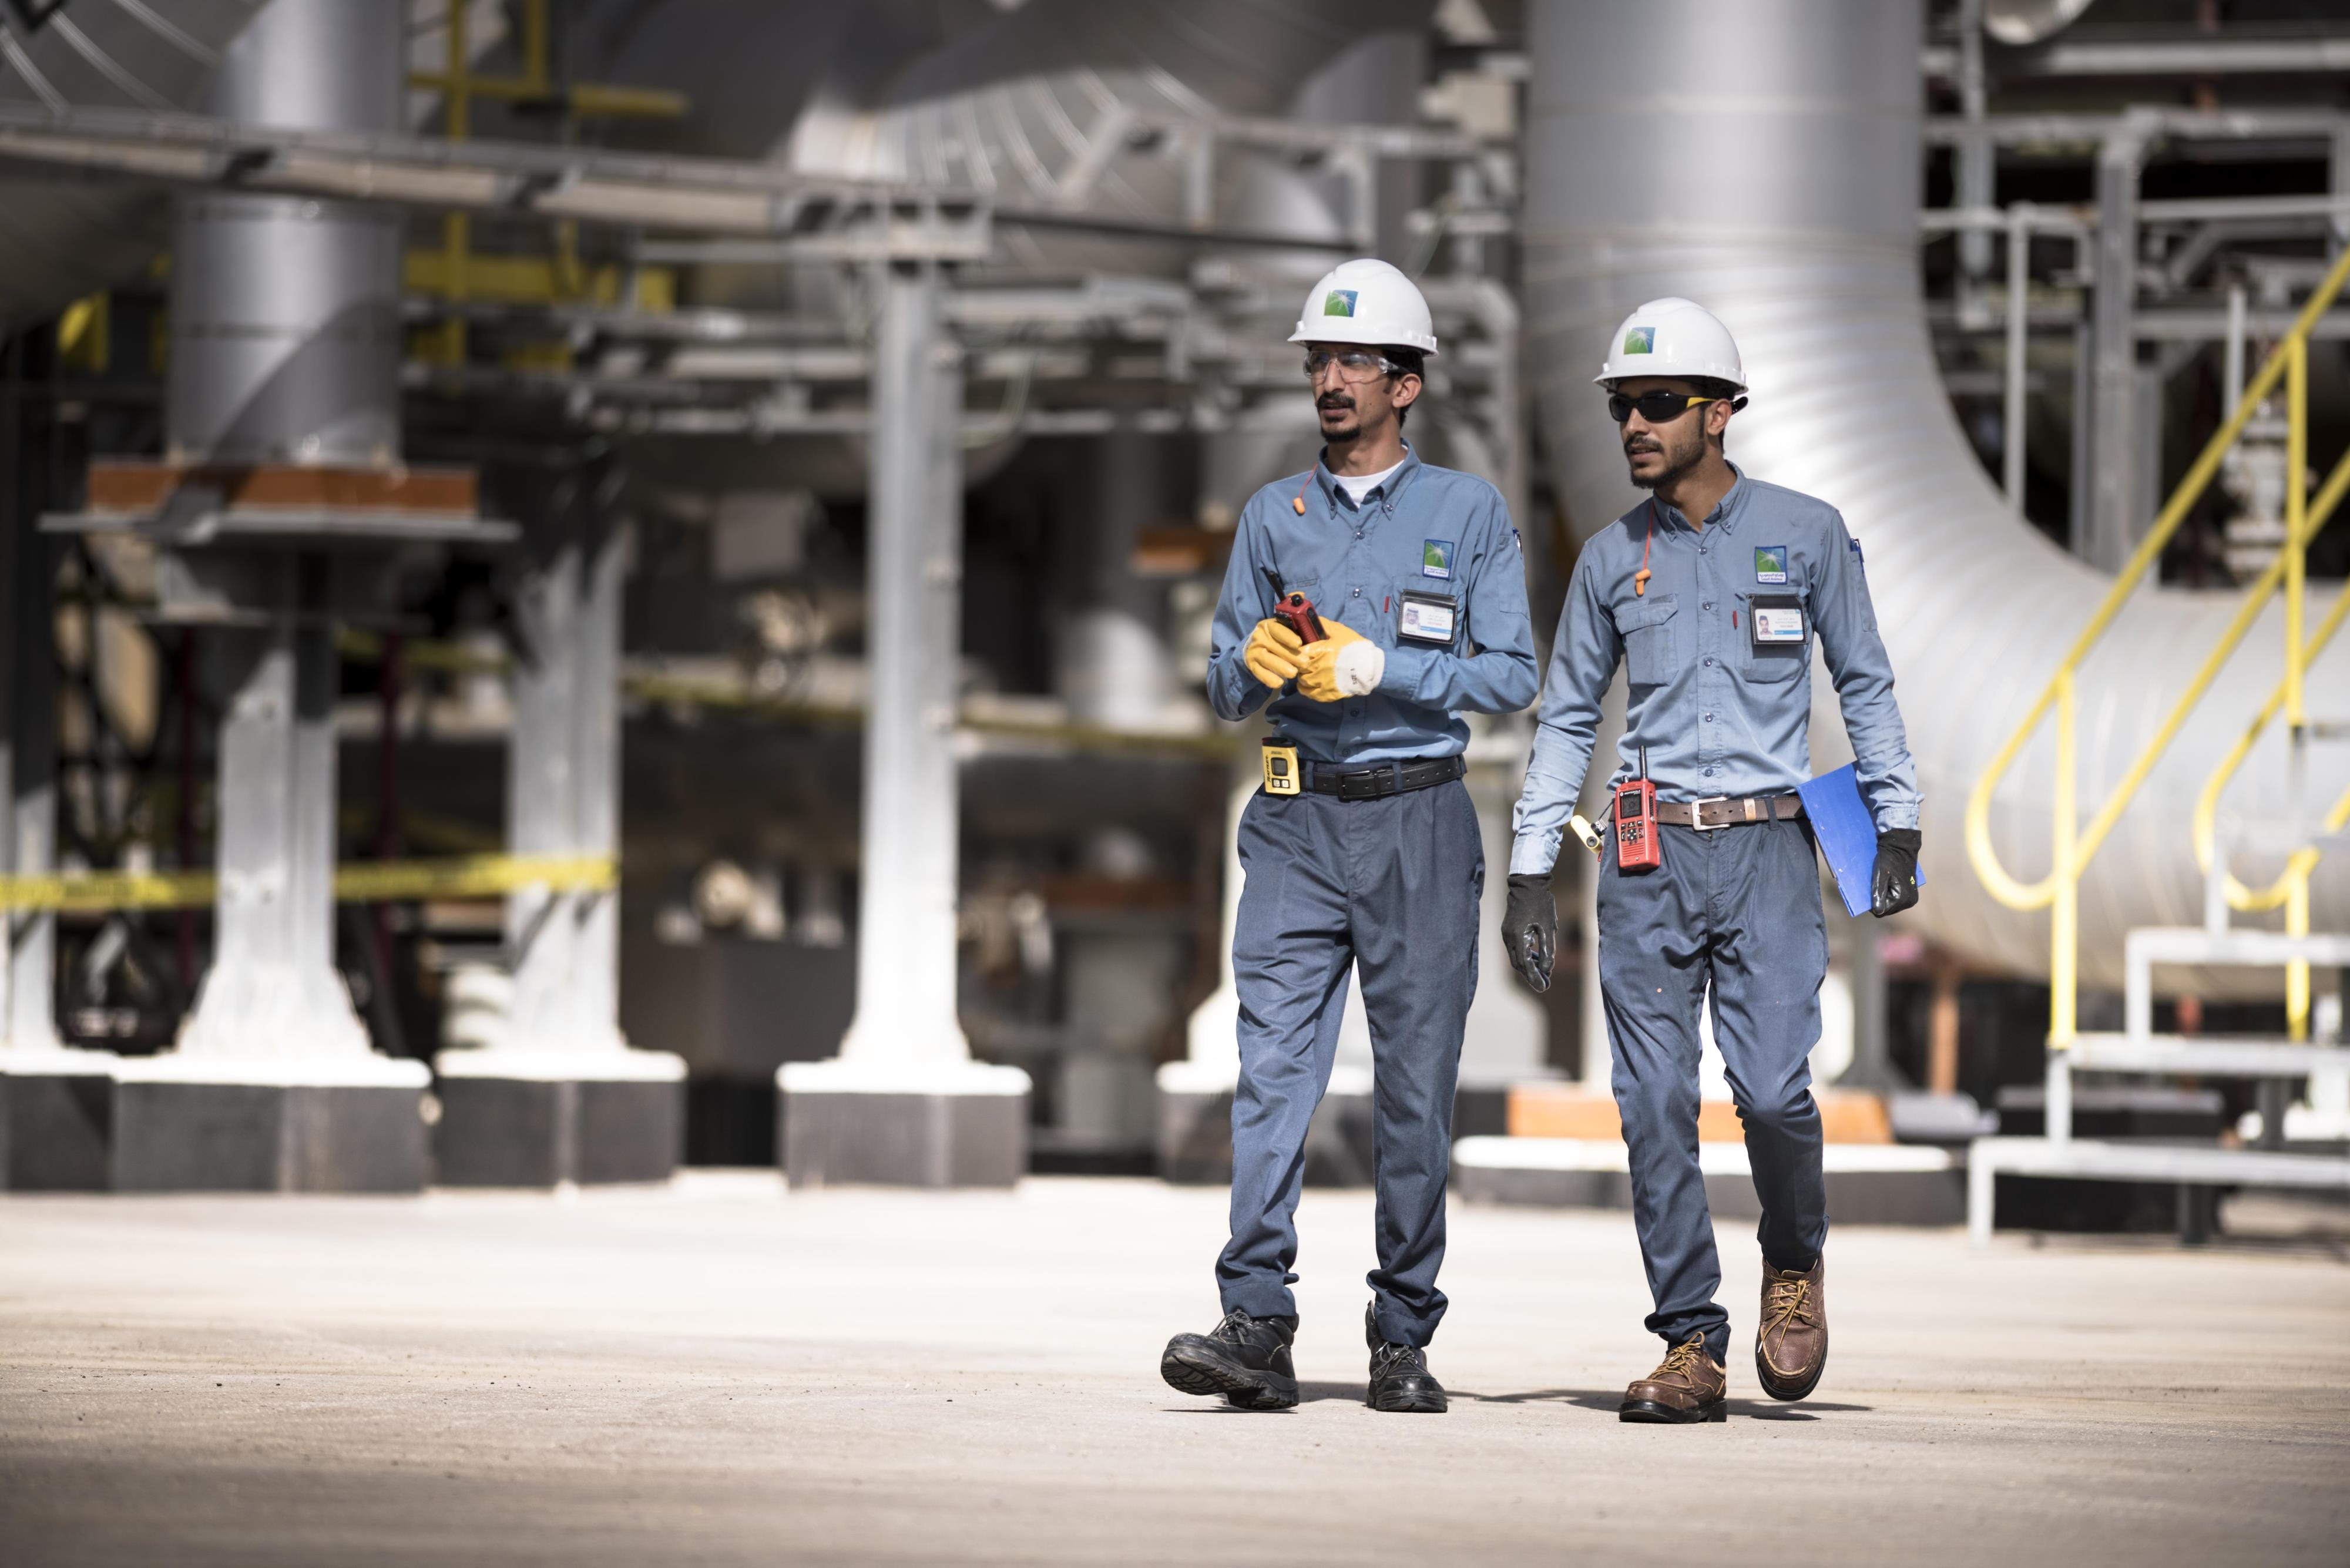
(1696, 814)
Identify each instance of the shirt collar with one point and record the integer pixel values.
(1724, 515)
(1392, 487)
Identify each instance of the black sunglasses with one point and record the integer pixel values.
(1655, 408)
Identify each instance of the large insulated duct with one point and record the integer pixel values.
(1058, 106)
(61, 239)
(1764, 159)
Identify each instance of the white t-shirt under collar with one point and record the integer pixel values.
(1357, 485)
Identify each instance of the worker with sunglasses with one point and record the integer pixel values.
(1711, 594)
(1369, 603)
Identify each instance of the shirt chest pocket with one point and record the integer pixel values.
(1779, 647)
(1647, 626)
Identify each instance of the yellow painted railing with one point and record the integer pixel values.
(2074, 844)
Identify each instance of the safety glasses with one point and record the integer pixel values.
(1655, 408)
(1354, 364)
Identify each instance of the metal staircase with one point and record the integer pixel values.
(2303, 840)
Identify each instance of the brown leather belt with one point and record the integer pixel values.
(1729, 811)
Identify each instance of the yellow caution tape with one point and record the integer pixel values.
(359, 882)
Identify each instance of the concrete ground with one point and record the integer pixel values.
(719, 1373)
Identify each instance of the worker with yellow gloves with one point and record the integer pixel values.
(1369, 601)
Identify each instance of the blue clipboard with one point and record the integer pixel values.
(1848, 834)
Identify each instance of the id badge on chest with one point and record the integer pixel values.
(1776, 620)
(1427, 620)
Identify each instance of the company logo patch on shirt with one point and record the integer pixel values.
(1436, 558)
(1339, 302)
(1770, 562)
(1640, 340)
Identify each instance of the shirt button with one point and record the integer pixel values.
(1710, 772)
(1709, 663)
(1709, 718)
(1358, 593)
(1708, 604)
(1358, 534)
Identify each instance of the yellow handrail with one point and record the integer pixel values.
(2207, 804)
(2073, 846)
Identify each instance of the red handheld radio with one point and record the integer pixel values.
(1637, 847)
(1295, 608)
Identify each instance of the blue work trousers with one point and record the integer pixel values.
(1389, 887)
(1738, 908)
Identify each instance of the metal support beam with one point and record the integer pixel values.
(561, 1097)
(2115, 505)
(903, 1103)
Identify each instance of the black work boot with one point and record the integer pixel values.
(1243, 1359)
(1401, 1380)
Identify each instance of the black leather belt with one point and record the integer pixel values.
(1383, 779)
(1729, 811)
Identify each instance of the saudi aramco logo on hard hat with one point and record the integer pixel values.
(1640, 340)
(1339, 302)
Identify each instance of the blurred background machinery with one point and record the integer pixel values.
(839, 415)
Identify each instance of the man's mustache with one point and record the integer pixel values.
(1329, 400)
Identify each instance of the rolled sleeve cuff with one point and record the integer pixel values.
(1534, 854)
(1895, 816)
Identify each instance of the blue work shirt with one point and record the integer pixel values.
(1719, 715)
(1425, 530)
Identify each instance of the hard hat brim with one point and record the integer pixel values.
(1339, 329)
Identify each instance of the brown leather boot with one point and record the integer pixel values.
(1790, 1342)
(1690, 1386)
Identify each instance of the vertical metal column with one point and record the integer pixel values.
(2115, 520)
(539, 775)
(28, 793)
(2018, 344)
(906, 920)
(904, 1103)
(271, 991)
(286, 344)
(595, 780)
(559, 1096)
(1977, 168)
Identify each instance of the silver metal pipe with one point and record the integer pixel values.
(1799, 228)
(2019, 342)
(286, 330)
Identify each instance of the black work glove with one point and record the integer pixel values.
(1530, 929)
(1894, 887)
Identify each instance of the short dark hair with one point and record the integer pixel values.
(1407, 362)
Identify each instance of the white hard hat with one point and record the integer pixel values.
(1366, 301)
(1673, 337)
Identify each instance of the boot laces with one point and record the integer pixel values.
(1390, 1357)
(1787, 1305)
(1681, 1360)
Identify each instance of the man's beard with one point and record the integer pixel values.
(1676, 469)
(1347, 432)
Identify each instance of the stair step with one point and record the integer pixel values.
(2219, 1056)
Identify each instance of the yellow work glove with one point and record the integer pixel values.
(1345, 663)
(1273, 653)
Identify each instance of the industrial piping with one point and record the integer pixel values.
(60, 239)
(1764, 159)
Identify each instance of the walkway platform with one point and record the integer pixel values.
(718, 1371)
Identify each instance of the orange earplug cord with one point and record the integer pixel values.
(1640, 579)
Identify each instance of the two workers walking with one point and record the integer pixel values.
(1369, 603)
